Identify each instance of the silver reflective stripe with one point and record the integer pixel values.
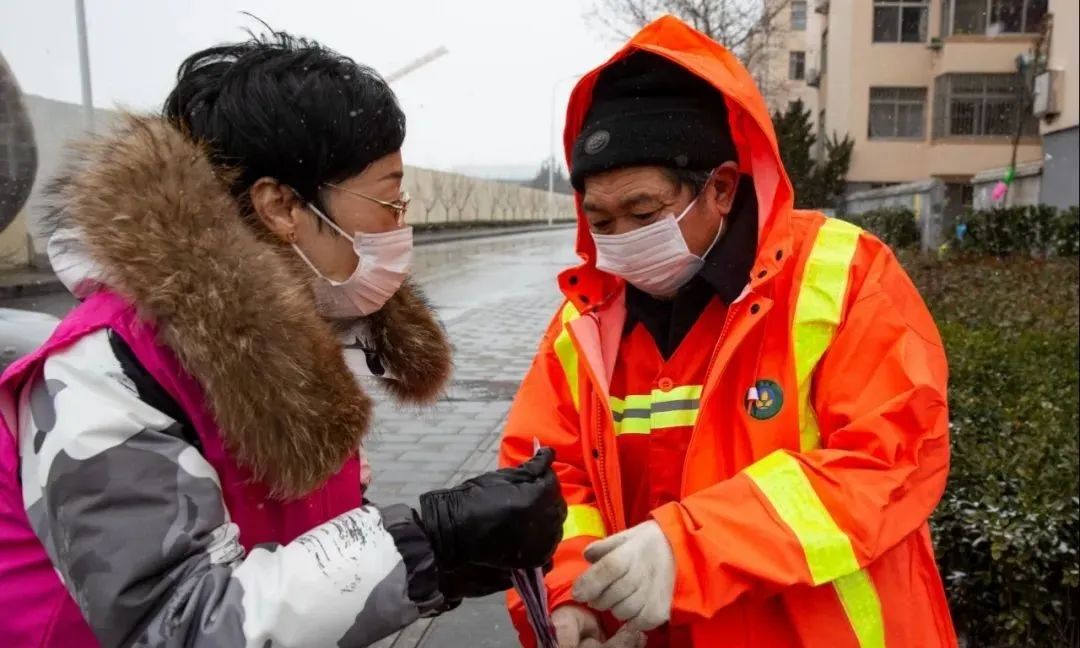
(660, 409)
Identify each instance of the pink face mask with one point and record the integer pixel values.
(384, 263)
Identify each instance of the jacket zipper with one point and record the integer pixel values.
(719, 345)
(609, 506)
(708, 372)
(601, 455)
(598, 411)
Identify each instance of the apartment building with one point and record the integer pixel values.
(787, 65)
(1057, 103)
(930, 88)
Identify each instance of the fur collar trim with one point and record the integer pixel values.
(159, 226)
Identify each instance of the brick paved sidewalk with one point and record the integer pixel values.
(413, 451)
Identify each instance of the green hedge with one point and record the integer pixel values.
(1006, 531)
(894, 225)
(1037, 230)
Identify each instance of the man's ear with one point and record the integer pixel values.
(722, 187)
(276, 205)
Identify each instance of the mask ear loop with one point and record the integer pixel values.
(326, 219)
(319, 213)
(687, 209)
(322, 216)
(716, 239)
(723, 220)
(300, 253)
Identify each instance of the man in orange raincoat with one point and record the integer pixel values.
(747, 401)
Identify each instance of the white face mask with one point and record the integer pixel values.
(384, 263)
(654, 258)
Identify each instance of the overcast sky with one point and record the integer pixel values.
(486, 103)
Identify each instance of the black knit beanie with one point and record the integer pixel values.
(647, 110)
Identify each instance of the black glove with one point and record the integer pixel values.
(509, 518)
(473, 581)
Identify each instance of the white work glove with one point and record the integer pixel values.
(633, 575)
(576, 627)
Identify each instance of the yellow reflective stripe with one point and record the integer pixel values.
(583, 520)
(863, 608)
(630, 424)
(829, 553)
(656, 421)
(689, 392)
(643, 413)
(645, 401)
(675, 418)
(632, 402)
(818, 311)
(633, 426)
(567, 354)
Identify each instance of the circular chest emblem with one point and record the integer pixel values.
(770, 398)
(597, 142)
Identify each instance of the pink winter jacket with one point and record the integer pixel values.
(180, 463)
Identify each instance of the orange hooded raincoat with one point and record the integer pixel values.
(808, 528)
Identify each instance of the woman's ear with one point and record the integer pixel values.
(725, 182)
(275, 204)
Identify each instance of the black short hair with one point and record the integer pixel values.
(695, 179)
(286, 107)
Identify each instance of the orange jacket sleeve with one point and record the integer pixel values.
(813, 517)
(544, 409)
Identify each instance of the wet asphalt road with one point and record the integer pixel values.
(456, 275)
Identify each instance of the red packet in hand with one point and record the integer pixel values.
(530, 585)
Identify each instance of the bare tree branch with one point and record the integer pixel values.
(422, 198)
(537, 200)
(751, 29)
(506, 196)
(442, 188)
(461, 191)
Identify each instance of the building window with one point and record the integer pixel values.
(967, 196)
(798, 15)
(993, 16)
(897, 113)
(900, 21)
(980, 105)
(797, 66)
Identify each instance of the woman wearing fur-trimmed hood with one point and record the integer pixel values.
(181, 463)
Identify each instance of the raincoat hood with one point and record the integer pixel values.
(751, 129)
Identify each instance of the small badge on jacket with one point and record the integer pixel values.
(769, 399)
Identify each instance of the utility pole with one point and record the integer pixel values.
(84, 65)
(1025, 74)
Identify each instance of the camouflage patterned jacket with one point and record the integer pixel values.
(121, 490)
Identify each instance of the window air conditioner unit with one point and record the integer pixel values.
(1048, 93)
(813, 78)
